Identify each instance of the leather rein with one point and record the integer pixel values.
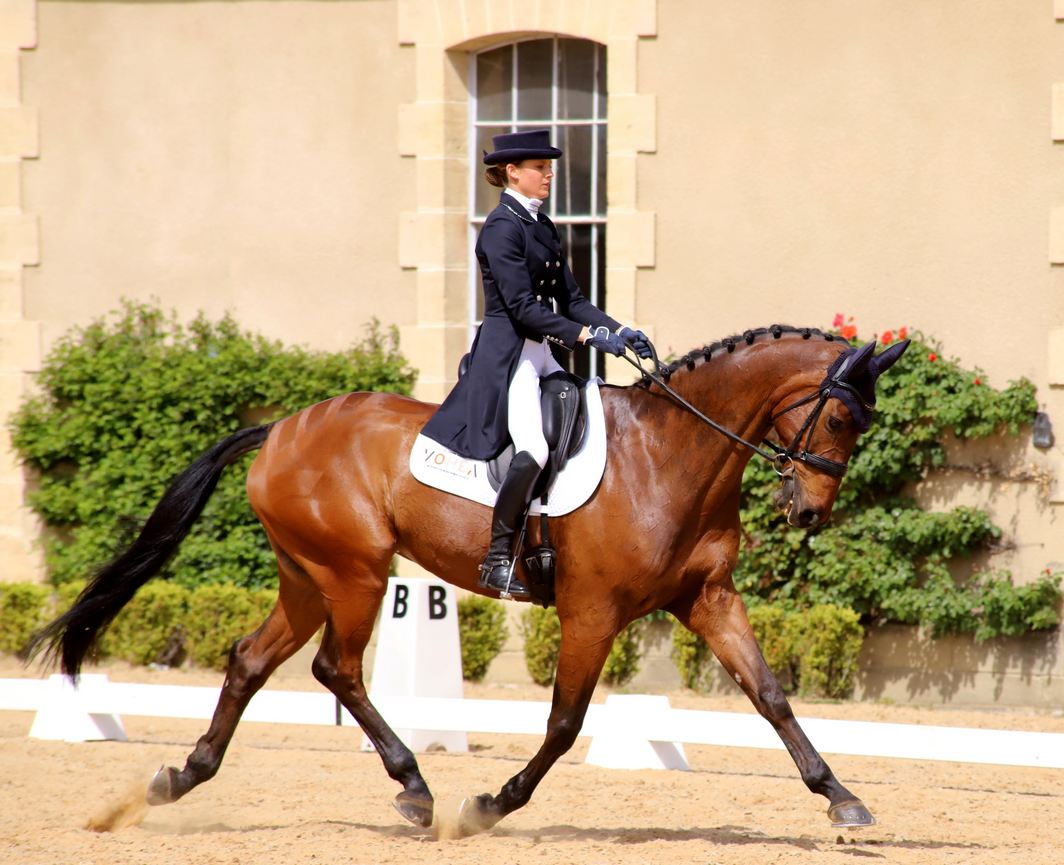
(782, 458)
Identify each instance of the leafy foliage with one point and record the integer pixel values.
(692, 658)
(482, 633)
(218, 616)
(129, 401)
(882, 555)
(23, 610)
(622, 663)
(148, 624)
(542, 632)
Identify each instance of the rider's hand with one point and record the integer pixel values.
(637, 341)
(603, 339)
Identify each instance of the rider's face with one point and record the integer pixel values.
(531, 177)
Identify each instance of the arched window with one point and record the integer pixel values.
(560, 84)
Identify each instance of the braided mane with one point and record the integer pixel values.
(729, 344)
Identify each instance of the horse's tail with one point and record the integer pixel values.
(74, 634)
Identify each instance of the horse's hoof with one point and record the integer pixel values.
(160, 790)
(476, 815)
(852, 812)
(418, 811)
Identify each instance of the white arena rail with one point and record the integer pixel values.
(619, 728)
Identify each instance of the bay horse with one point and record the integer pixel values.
(332, 489)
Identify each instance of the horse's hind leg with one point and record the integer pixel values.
(338, 666)
(718, 615)
(294, 620)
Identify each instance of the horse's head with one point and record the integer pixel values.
(822, 428)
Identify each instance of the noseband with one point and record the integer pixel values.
(782, 459)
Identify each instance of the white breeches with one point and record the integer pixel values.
(523, 414)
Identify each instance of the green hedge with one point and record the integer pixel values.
(482, 633)
(163, 623)
(542, 633)
(126, 403)
(24, 609)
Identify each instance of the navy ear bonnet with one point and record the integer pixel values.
(852, 378)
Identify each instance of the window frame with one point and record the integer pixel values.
(595, 291)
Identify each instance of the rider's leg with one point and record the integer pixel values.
(525, 423)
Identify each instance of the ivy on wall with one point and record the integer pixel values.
(127, 402)
(882, 555)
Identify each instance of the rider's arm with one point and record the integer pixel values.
(502, 244)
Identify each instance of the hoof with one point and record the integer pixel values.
(476, 814)
(418, 811)
(161, 789)
(850, 813)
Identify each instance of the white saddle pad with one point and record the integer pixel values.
(436, 466)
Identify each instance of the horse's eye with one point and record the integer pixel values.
(834, 424)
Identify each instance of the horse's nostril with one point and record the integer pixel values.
(808, 517)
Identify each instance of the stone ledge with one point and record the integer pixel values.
(19, 239)
(1056, 235)
(10, 184)
(18, 23)
(18, 132)
(10, 89)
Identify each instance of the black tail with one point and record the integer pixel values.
(74, 634)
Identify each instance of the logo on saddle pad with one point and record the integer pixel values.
(436, 466)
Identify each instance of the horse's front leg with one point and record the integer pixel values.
(718, 615)
(580, 661)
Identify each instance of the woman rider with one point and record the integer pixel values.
(523, 270)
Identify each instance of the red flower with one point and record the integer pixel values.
(848, 332)
(903, 332)
(978, 380)
(932, 357)
(838, 321)
(888, 337)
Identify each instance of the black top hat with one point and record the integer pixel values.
(515, 146)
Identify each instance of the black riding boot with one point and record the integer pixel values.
(510, 507)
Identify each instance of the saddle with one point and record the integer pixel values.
(564, 408)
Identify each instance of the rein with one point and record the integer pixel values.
(782, 459)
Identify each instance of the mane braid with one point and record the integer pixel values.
(731, 344)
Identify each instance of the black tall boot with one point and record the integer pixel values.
(511, 505)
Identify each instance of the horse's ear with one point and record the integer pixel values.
(885, 360)
(858, 363)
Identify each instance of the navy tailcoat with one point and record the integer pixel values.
(523, 269)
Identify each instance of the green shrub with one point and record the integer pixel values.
(622, 663)
(542, 632)
(827, 644)
(482, 634)
(129, 401)
(774, 632)
(147, 625)
(692, 658)
(220, 615)
(813, 652)
(24, 608)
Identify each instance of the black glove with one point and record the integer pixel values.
(603, 339)
(637, 341)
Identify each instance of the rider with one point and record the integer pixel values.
(523, 269)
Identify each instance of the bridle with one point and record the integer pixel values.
(782, 458)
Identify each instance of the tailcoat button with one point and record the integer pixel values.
(557, 264)
(553, 281)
